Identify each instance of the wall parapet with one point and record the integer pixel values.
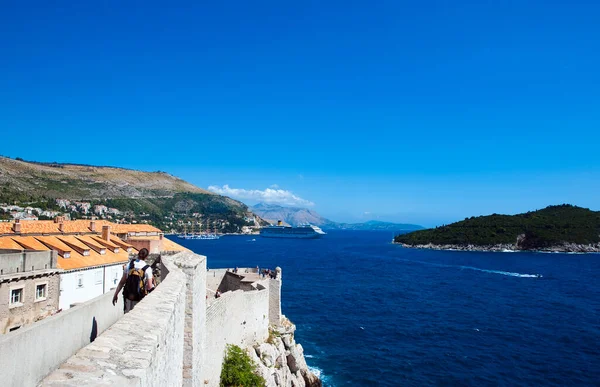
(171, 338)
(30, 353)
(237, 317)
(143, 348)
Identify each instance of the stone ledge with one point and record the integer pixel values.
(188, 260)
(126, 354)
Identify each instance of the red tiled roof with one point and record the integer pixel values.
(73, 226)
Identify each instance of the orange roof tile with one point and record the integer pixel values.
(125, 228)
(30, 243)
(169, 245)
(89, 241)
(74, 243)
(8, 243)
(73, 226)
(78, 261)
(55, 244)
(6, 227)
(104, 242)
(122, 243)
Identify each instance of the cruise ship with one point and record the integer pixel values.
(303, 231)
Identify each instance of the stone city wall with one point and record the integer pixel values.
(144, 348)
(275, 299)
(171, 338)
(240, 318)
(30, 353)
(214, 278)
(194, 268)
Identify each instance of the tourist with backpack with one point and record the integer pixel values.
(136, 282)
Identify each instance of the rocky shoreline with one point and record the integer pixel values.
(280, 361)
(564, 248)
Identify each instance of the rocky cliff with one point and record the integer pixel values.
(506, 247)
(280, 361)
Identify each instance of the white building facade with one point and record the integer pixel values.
(80, 285)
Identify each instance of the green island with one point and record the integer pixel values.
(555, 228)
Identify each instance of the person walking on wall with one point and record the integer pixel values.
(136, 282)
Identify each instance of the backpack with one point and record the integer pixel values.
(135, 286)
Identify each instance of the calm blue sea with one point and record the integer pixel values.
(370, 313)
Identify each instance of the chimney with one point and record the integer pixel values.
(93, 226)
(161, 236)
(61, 227)
(106, 233)
(17, 226)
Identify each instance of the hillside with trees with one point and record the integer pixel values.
(551, 227)
(156, 198)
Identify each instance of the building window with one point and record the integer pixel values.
(40, 292)
(16, 297)
(14, 328)
(98, 277)
(79, 280)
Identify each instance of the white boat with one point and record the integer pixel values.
(305, 231)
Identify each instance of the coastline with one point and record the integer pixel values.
(508, 248)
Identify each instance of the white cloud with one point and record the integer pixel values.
(272, 195)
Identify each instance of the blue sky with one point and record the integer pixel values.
(423, 112)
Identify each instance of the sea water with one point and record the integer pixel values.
(370, 313)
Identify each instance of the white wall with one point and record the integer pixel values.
(112, 276)
(240, 318)
(30, 353)
(95, 282)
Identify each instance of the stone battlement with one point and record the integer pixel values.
(176, 336)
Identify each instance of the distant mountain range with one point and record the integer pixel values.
(297, 215)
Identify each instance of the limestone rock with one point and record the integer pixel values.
(296, 359)
(298, 380)
(268, 354)
(281, 363)
(288, 341)
(310, 379)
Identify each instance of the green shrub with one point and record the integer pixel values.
(239, 369)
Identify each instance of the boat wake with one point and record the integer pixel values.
(507, 273)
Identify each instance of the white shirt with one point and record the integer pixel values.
(139, 264)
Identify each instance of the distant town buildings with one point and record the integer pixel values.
(63, 203)
(83, 207)
(100, 209)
